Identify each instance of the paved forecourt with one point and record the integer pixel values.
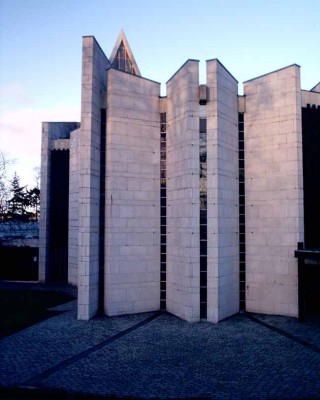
(154, 355)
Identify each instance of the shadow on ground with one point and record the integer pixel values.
(23, 307)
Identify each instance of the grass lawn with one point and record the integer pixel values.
(22, 308)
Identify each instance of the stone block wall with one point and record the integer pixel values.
(274, 191)
(73, 207)
(183, 274)
(52, 132)
(132, 236)
(94, 65)
(223, 193)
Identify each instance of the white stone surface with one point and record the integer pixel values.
(94, 65)
(183, 271)
(223, 193)
(132, 252)
(74, 165)
(274, 191)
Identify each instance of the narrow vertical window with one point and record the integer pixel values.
(203, 215)
(103, 149)
(163, 210)
(242, 227)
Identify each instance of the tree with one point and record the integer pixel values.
(19, 202)
(33, 200)
(5, 161)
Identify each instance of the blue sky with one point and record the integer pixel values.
(40, 51)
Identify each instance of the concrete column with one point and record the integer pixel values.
(274, 191)
(183, 256)
(223, 193)
(132, 256)
(94, 65)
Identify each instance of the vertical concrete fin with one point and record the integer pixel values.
(183, 203)
(223, 193)
(274, 190)
(94, 66)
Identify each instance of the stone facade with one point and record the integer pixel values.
(153, 202)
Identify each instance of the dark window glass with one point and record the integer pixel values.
(242, 266)
(163, 239)
(203, 232)
(203, 279)
(203, 247)
(203, 125)
(203, 264)
(203, 217)
(203, 295)
(163, 286)
(163, 117)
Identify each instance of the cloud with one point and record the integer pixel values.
(20, 134)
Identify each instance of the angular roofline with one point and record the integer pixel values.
(216, 59)
(122, 37)
(272, 72)
(128, 73)
(314, 87)
(92, 36)
(189, 59)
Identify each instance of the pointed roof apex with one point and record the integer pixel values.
(122, 50)
(316, 88)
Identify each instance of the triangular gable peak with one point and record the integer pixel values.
(316, 88)
(122, 57)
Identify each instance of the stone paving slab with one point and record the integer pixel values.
(160, 356)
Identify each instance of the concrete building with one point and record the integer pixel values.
(193, 202)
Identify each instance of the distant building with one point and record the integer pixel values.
(193, 202)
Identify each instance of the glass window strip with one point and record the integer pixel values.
(242, 236)
(203, 215)
(163, 210)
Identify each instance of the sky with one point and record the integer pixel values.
(40, 52)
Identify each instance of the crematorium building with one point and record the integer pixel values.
(196, 203)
